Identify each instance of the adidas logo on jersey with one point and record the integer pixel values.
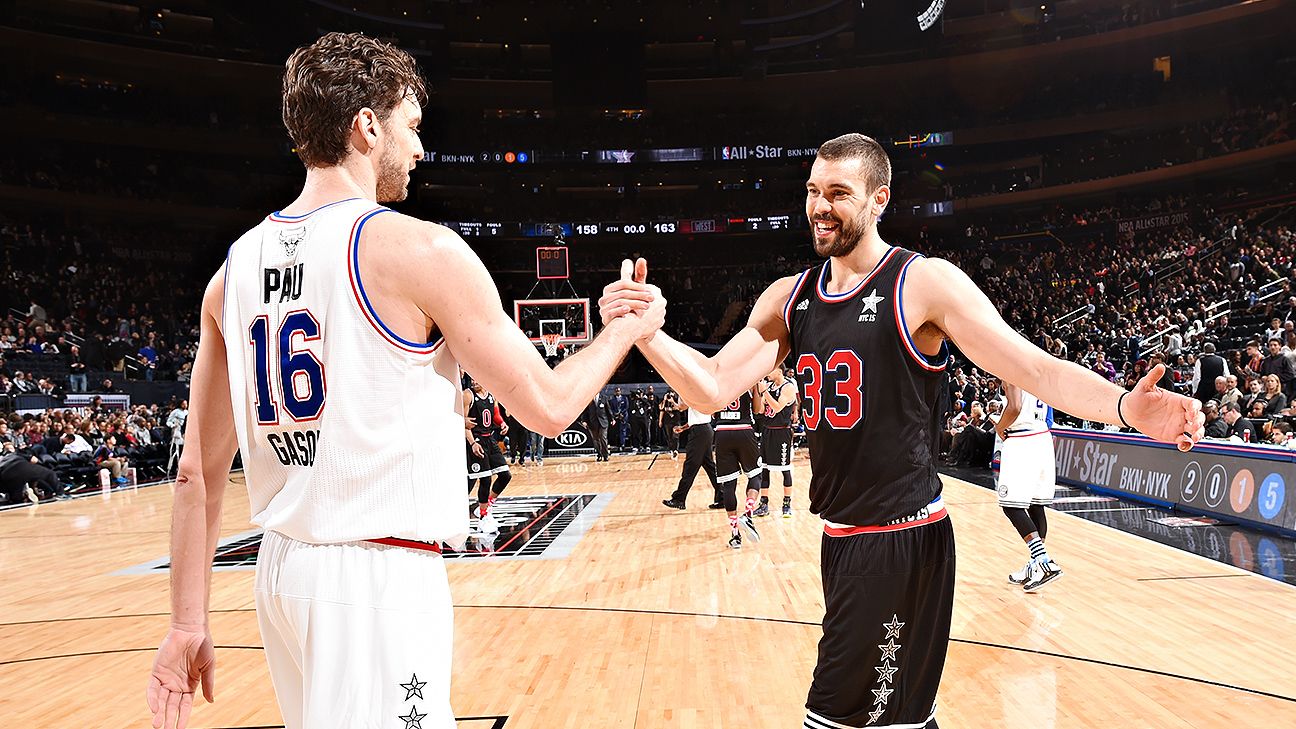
(805, 304)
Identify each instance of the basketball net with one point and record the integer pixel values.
(550, 342)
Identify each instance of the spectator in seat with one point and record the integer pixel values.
(1231, 393)
(74, 443)
(1275, 330)
(971, 446)
(1239, 427)
(1255, 391)
(1275, 400)
(1216, 427)
(1257, 409)
(1253, 360)
(1278, 364)
(1103, 367)
(22, 385)
(104, 458)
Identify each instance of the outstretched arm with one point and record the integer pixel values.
(710, 383)
(942, 295)
(463, 302)
(186, 654)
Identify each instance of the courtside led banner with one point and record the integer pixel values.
(1231, 481)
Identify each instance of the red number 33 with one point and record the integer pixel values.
(847, 383)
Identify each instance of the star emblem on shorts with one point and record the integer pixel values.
(889, 650)
(413, 720)
(871, 301)
(882, 695)
(877, 714)
(886, 672)
(413, 689)
(893, 627)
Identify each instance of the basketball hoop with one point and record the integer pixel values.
(550, 342)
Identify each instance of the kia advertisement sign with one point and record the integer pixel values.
(574, 441)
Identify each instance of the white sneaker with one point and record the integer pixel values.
(745, 521)
(31, 495)
(1020, 576)
(1041, 574)
(488, 525)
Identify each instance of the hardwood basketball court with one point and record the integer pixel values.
(651, 621)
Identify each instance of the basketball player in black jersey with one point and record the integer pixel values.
(777, 396)
(867, 335)
(485, 459)
(736, 454)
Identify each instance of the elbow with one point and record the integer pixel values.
(551, 425)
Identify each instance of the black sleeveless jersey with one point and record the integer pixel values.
(783, 418)
(737, 415)
(870, 400)
(485, 416)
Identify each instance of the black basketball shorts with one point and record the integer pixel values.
(736, 454)
(889, 596)
(776, 448)
(491, 463)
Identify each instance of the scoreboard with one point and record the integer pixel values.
(629, 228)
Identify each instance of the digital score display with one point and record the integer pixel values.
(551, 263)
(612, 228)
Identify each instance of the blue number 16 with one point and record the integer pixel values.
(301, 375)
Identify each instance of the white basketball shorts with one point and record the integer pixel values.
(357, 635)
(1026, 470)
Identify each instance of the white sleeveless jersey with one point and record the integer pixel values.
(347, 431)
(1035, 416)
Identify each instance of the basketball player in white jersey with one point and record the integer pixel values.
(329, 355)
(1026, 478)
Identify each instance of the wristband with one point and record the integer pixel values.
(1121, 415)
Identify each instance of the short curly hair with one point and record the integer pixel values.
(326, 83)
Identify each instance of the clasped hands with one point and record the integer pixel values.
(633, 299)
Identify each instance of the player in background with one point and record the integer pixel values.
(486, 429)
(737, 454)
(1026, 480)
(778, 400)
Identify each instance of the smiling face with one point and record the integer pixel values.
(848, 189)
(840, 206)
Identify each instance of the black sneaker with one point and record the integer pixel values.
(745, 521)
(735, 542)
(716, 505)
(673, 504)
(762, 509)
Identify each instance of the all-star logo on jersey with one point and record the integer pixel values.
(805, 304)
(869, 312)
(290, 239)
